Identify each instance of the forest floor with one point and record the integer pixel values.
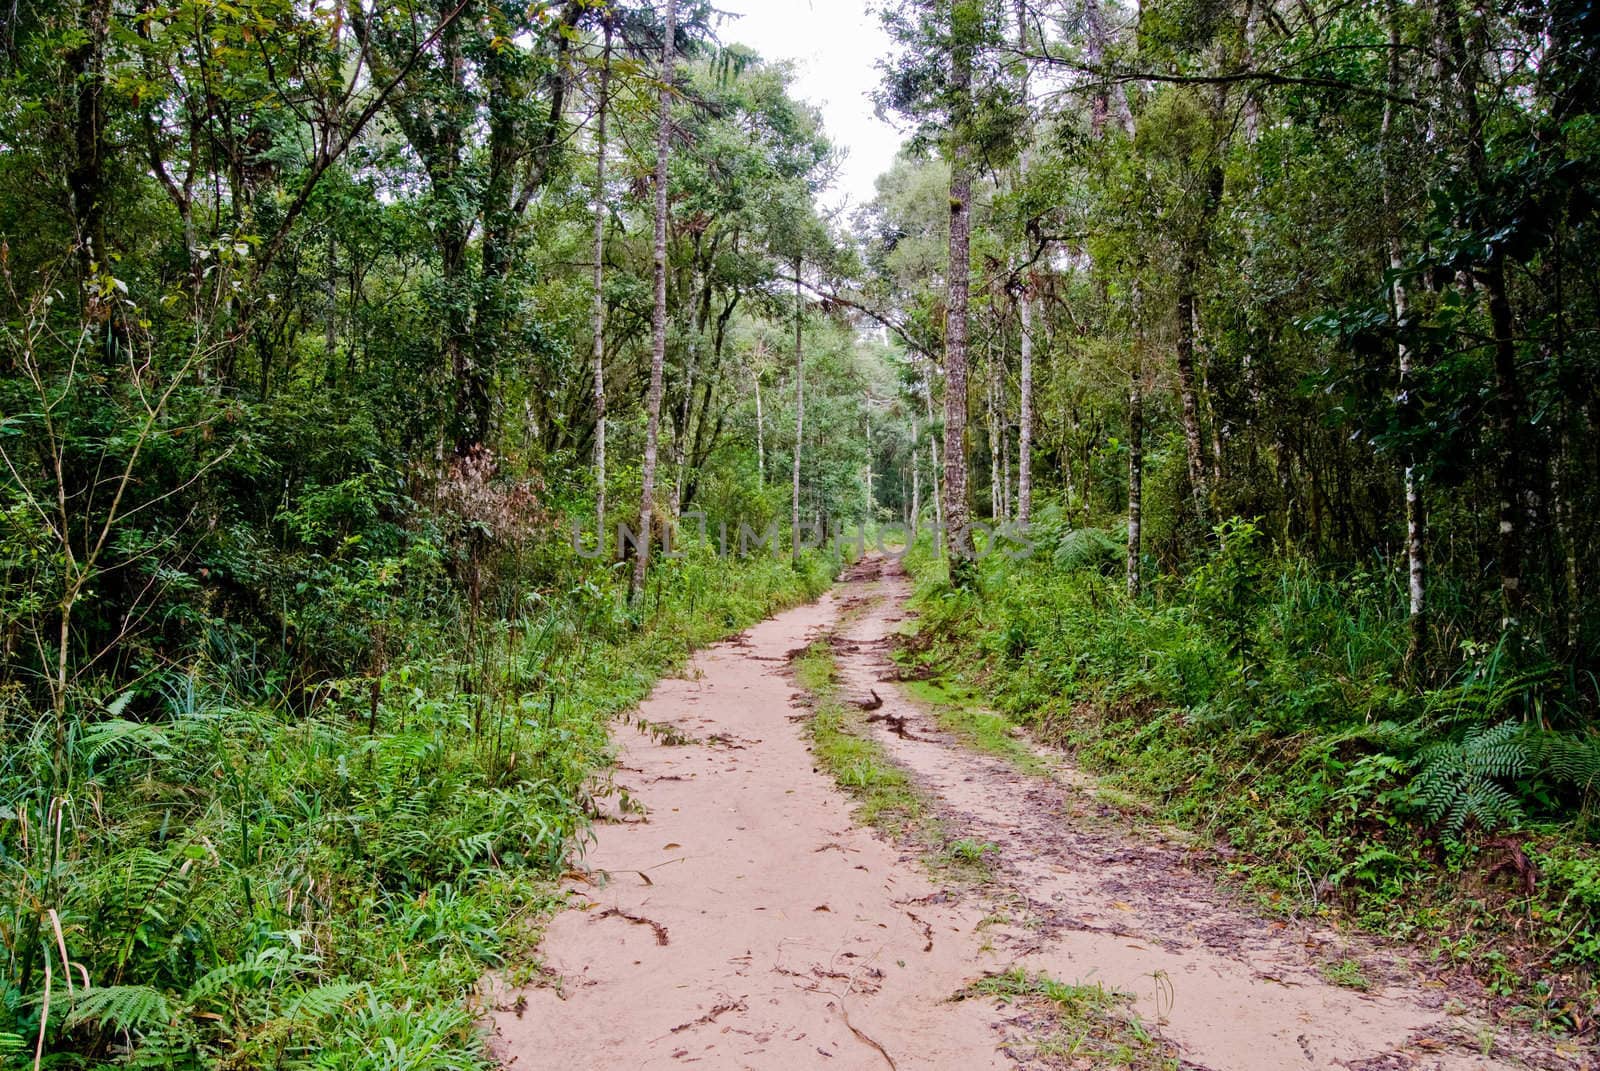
(740, 911)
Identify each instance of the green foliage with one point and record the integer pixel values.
(245, 884)
(1334, 781)
(1460, 780)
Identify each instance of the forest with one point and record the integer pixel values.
(391, 394)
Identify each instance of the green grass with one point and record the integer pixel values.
(885, 796)
(1079, 1025)
(957, 708)
(256, 884)
(1347, 973)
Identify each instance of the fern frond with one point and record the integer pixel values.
(120, 1007)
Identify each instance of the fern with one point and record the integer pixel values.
(1460, 780)
(1087, 548)
(120, 1007)
(1569, 759)
(322, 1001)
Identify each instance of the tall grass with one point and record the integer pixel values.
(231, 882)
(1265, 701)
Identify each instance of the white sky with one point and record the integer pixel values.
(835, 45)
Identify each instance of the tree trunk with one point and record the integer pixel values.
(598, 313)
(916, 479)
(1025, 416)
(955, 336)
(799, 411)
(761, 444)
(996, 484)
(1025, 320)
(1135, 470)
(1194, 446)
(933, 460)
(1416, 518)
(86, 174)
(658, 317)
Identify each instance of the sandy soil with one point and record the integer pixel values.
(734, 916)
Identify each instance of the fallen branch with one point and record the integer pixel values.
(638, 920)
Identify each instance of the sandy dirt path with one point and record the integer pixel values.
(734, 916)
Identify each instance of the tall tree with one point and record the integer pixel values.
(658, 314)
(597, 316)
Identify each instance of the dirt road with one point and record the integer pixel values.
(735, 916)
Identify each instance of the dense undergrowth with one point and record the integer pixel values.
(1264, 701)
(223, 881)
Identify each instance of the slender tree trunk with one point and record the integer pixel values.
(1194, 446)
(1509, 461)
(933, 460)
(86, 182)
(658, 318)
(1416, 518)
(597, 315)
(916, 478)
(1135, 470)
(871, 502)
(799, 410)
(761, 442)
(958, 283)
(1025, 416)
(1562, 509)
(996, 483)
(1024, 318)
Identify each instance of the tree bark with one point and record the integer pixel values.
(1194, 446)
(1415, 516)
(799, 411)
(1135, 471)
(1025, 415)
(598, 312)
(761, 444)
(958, 283)
(1025, 320)
(86, 175)
(658, 316)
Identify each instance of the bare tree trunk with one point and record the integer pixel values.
(1416, 518)
(1135, 469)
(1508, 425)
(658, 319)
(996, 491)
(598, 314)
(916, 478)
(1194, 447)
(1025, 417)
(958, 282)
(799, 410)
(1006, 500)
(871, 502)
(761, 442)
(86, 180)
(933, 459)
(1025, 319)
(1562, 509)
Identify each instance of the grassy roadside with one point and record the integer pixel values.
(252, 885)
(1321, 807)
